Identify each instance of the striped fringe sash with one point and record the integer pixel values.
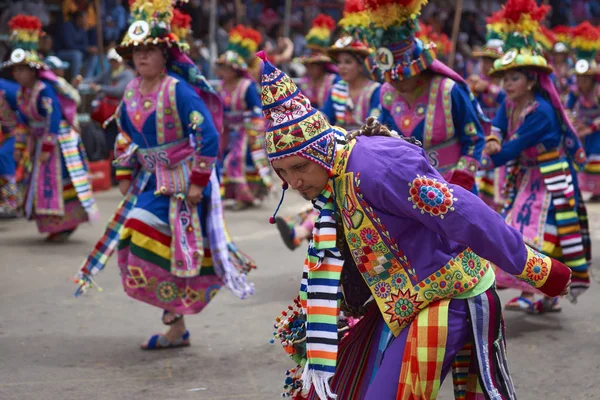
(559, 181)
(339, 97)
(493, 376)
(423, 359)
(349, 381)
(320, 297)
(75, 161)
(100, 254)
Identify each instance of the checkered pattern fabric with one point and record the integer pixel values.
(420, 377)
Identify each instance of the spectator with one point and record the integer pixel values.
(115, 21)
(58, 67)
(226, 23)
(74, 42)
(109, 88)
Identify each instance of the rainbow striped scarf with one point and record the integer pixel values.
(320, 297)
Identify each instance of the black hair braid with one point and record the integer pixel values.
(373, 127)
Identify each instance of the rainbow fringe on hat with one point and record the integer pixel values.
(319, 35)
(518, 21)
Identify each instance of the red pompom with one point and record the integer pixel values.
(285, 186)
(272, 220)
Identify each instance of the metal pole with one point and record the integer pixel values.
(100, 35)
(287, 19)
(455, 29)
(212, 32)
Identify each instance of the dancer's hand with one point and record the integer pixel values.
(44, 156)
(124, 186)
(492, 147)
(194, 195)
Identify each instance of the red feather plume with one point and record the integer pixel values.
(25, 22)
(513, 9)
(586, 31)
(324, 21)
(354, 6)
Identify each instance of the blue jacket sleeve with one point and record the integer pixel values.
(374, 109)
(571, 101)
(466, 123)
(327, 109)
(253, 102)
(197, 122)
(539, 128)
(49, 107)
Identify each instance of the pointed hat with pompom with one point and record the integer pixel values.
(25, 32)
(400, 54)
(518, 21)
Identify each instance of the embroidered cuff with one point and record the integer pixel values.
(201, 170)
(544, 273)
(492, 138)
(48, 143)
(124, 174)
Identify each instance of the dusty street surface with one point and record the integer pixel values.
(56, 347)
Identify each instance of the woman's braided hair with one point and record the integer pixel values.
(373, 127)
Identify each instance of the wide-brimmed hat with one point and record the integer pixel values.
(155, 22)
(563, 36)
(318, 40)
(25, 32)
(519, 20)
(354, 25)
(243, 44)
(586, 43)
(493, 40)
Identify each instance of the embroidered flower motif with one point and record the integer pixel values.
(403, 307)
(369, 236)
(388, 98)
(406, 121)
(147, 105)
(470, 129)
(431, 196)
(354, 240)
(166, 292)
(471, 263)
(399, 281)
(382, 289)
(420, 110)
(536, 269)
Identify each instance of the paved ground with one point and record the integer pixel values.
(53, 346)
